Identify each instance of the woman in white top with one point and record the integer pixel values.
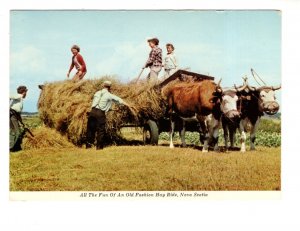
(170, 63)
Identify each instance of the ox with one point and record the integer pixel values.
(253, 103)
(231, 115)
(196, 101)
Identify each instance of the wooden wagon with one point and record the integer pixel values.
(153, 127)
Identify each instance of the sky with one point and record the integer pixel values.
(224, 44)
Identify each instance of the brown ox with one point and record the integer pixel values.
(196, 101)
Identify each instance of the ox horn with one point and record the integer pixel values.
(41, 87)
(218, 85)
(239, 89)
(276, 88)
(235, 88)
(251, 88)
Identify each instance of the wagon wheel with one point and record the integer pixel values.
(150, 133)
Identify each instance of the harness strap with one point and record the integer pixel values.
(240, 108)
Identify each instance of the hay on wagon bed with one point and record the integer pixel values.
(64, 106)
(45, 137)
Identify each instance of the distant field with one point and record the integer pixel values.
(32, 121)
(268, 135)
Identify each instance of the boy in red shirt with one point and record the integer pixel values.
(78, 63)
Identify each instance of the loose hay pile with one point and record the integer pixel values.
(44, 138)
(64, 105)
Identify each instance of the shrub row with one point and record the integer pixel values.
(266, 139)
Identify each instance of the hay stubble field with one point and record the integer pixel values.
(143, 168)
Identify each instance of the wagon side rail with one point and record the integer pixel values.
(178, 74)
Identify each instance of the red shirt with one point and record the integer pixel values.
(78, 62)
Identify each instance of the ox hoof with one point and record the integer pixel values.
(204, 150)
(172, 146)
(243, 148)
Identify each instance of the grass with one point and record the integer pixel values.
(143, 168)
(270, 125)
(32, 121)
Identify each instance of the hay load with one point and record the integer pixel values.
(45, 137)
(64, 106)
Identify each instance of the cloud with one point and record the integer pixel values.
(28, 59)
(126, 60)
(28, 67)
(202, 58)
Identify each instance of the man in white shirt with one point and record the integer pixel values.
(101, 104)
(16, 107)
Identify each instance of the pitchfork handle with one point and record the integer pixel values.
(139, 75)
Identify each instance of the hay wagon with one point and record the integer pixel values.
(153, 127)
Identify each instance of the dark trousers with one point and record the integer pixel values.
(15, 133)
(96, 127)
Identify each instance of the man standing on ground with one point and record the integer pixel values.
(154, 61)
(101, 104)
(16, 107)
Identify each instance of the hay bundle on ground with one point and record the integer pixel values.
(45, 137)
(64, 105)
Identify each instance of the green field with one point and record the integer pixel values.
(144, 168)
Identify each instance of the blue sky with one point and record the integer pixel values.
(224, 44)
